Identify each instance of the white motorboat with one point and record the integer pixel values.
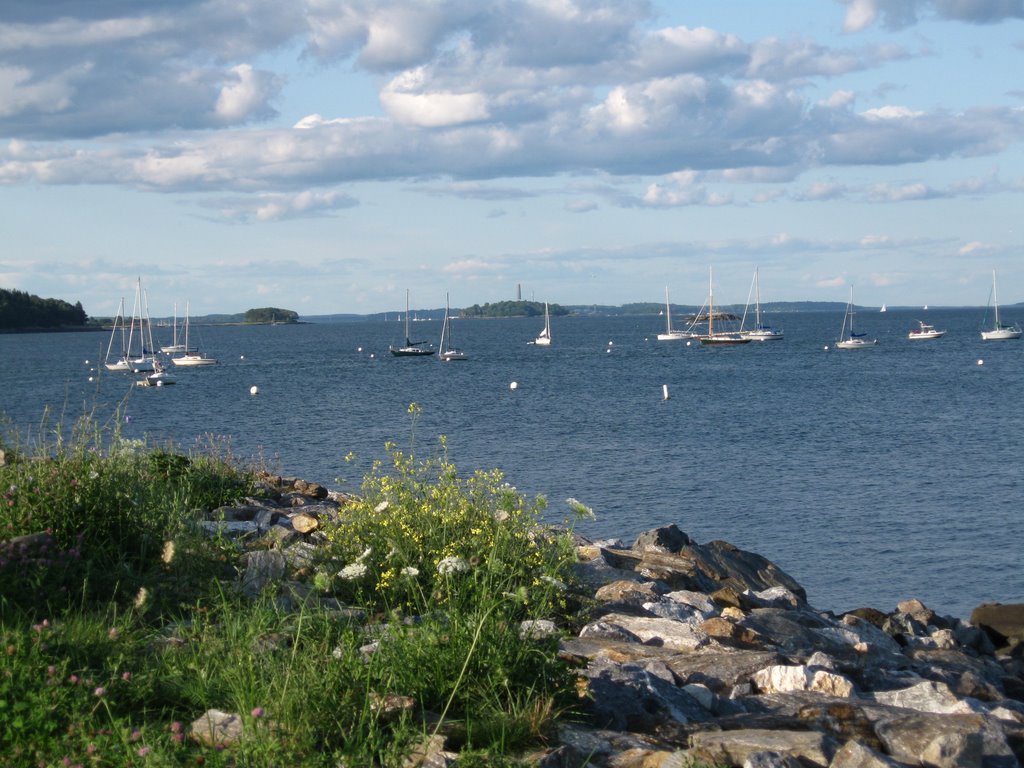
(925, 332)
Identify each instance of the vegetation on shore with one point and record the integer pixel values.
(19, 309)
(512, 309)
(270, 315)
(121, 624)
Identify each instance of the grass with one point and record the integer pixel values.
(121, 625)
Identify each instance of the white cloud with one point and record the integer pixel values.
(244, 94)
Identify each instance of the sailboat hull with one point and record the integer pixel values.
(1001, 334)
(411, 351)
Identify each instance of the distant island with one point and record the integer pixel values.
(23, 311)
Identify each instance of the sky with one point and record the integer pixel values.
(325, 156)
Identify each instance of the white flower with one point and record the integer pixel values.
(559, 585)
(381, 507)
(580, 509)
(410, 571)
(366, 553)
(452, 564)
(353, 571)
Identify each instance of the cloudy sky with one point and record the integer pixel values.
(326, 155)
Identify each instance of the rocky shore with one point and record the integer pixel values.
(704, 652)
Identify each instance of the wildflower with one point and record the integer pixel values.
(92, 749)
(353, 571)
(126, 676)
(99, 692)
(452, 564)
(168, 552)
(113, 634)
(135, 735)
(366, 553)
(559, 585)
(74, 679)
(257, 712)
(51, 671)
(140, 598)
(142, 751)
(381, 507)
(581, 510)
(176, 727)
(411, 571)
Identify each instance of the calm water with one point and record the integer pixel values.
(870, 476)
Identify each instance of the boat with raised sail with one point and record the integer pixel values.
(447, 351)
(670, 333)
(721, 338)
(925, 331)
(191, 359)
(999, 330)
(411, 348)
(848, 339)
(760, 331)
(544, 337)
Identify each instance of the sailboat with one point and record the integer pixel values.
(1000, 331)
(448, 352)
(760, 332)
(191, 359)
(121, 363)
(175, 346)
(140, 328)
(673, 334)
(722, 337)
(853, 340)
(411, 348)
(544, 338)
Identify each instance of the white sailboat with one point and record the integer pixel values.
(448, 352)
(411, 348)
(847, 338)
(139, 328)
(191, 359)
(673, 334)
(544, 338)
(999, 331)
(760, 332)
(175, 346)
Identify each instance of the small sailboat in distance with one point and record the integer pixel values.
(544, 337)
(847, 338)
(448, 352)
(999, 331)
(411, 348)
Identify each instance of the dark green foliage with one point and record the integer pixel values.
(513, 309)
(270, 315)
(19, 309)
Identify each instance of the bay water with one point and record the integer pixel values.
(870, 476)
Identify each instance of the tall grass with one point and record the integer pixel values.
(122, 627)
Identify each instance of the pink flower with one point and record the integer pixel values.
(257, 712)
(176, 727)
(126, 676)
(73, 679)
(100, 691)
(135, 735)
(91, 749)
(142, 751)
(113, 633)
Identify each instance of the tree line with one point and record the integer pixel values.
(512, 309)
(19, 309)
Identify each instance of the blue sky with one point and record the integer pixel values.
(326, 155)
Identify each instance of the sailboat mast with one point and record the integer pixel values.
(711, 303)
(407, 339)
(757, 300)
(995, 299)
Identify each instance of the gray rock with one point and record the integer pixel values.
(638, 698)
(262, 567)
(667, 538)
(853, 754)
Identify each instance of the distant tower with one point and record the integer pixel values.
(519, 291)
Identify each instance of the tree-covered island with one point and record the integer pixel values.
(20, 310)
(513, 309)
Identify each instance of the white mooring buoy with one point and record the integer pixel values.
(980, 361)
(514, 385)
(254, 390)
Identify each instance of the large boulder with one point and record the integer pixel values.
(1004, 623)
